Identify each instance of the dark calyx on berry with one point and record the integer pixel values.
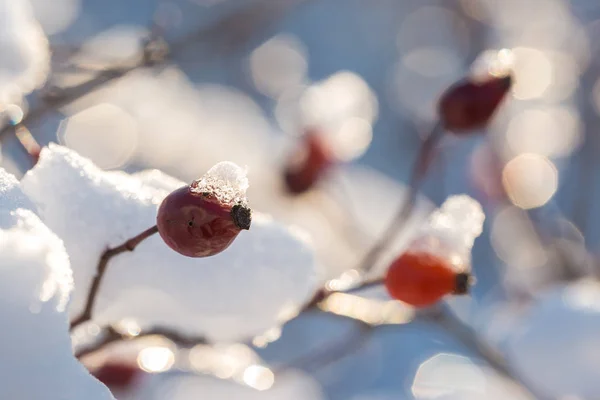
(463, 283)
(242, 216)
(469, 105)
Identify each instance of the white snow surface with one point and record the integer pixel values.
(157, 179)
(11, 198)
(259, 282)
(25, 54)
(557, 346)
(35, 283)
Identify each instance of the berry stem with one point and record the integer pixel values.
(322, 294)
(109, 253)
(419, 170)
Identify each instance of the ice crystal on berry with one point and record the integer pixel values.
(226, 181)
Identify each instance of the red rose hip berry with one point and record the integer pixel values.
(204, 218)
(469, 105)
(421, 279)
(116, 375)
(308, 164)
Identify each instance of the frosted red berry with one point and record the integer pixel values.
(307, 165)
(199, 224)
(116, 375)
(469, 105)
(421, 279)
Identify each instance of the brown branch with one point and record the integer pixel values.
(444, 317)
(323, 293)
(109, 253)
(108, 336)
(331, 352)
(111, 335)
(398, 222)
(59, 97)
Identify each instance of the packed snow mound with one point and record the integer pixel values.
(157, 179)
(11, 199)
(35, 282)
(451, 230)
(25, 52)
(259, 282)
(561, 331)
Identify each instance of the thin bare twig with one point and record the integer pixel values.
(395, 227)
(111, 335)
(331, 352)
(128, 245)
(444, 317)
(63, 96)
(323, 293)
(108, 335)
(351, 231)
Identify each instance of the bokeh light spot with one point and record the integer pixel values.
(258, 377)
(548, 131)
(534, 73)
(105, 133)
(156, 359)
(497, 63)
(278, 65)
(530, 180)
(445, 374)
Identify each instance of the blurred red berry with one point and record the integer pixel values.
(307, 165)
(116, 375)
(421, 279)
(469, 105)
(198, 224)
